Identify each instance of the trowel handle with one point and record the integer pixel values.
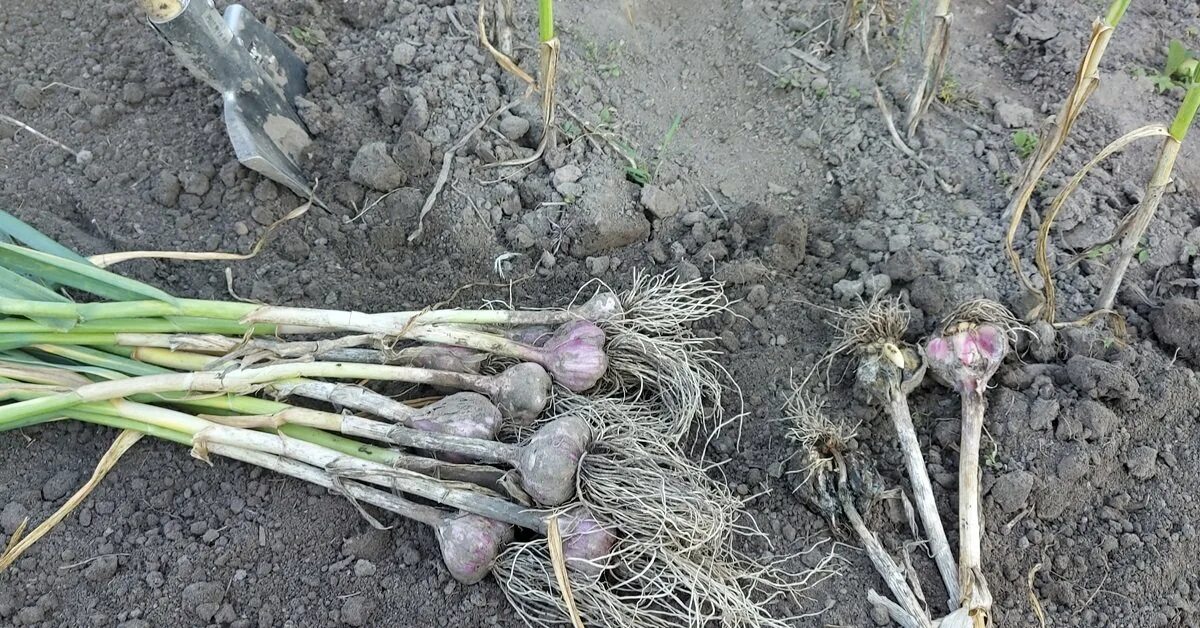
(207, 46)
(161, 10)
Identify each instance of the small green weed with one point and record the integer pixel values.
(607, 60)
(952, 93)
(607, 116)
(570, 130)
(992, 460)
(308, 36)
(611, 70)
(1025, 141)
(642, 171)
(1099, 252)
(792, 79)
(1181, 63)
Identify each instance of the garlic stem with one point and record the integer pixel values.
(923, 496)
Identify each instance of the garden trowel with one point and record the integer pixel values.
(257, 74)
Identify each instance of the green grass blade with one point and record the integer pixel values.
(1187, 110)
(14, 228)
(666, 143)
(1116, 11)
(545, 20)
(80, 275)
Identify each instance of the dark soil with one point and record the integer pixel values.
(789, 190)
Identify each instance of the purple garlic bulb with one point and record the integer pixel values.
(549, 463)
(470, 545)
(575, 356)
(966, 359)
(586, 544)
(466, 414)
(521, 392)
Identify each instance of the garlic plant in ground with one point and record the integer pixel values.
(631, 382)
(547, 78)
(1155, 188)
(937, 50)
(964, 354)
(1131, 229)
(1054, 135)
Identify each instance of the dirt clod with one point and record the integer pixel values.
(357, 611)
(606, 219)
(413, 154)
(30, 616)
(203, 599)
(166, 189)
(370, 545)
(416, 119)
(1014, 115)
(1101, 379)
(375, 168)
(12, 516)
(1096, 417)
(514, 127)
(7, 604)
(403, 54)
(102, 569)
(1012, 490)
(1073, 465)
(59, 484)
(1142, 462)
(1176, 324)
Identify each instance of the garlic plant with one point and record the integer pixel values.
(964, 354)
(601, 398)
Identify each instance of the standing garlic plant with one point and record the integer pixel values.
(548, 54)
(933, 68)
(1054, 136)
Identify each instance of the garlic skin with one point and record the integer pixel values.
(586, 543)
(470, 545)
(522, 392)
(549, 463)
(575, 356)
(603, 306)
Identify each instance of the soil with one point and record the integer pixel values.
(781, 179)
